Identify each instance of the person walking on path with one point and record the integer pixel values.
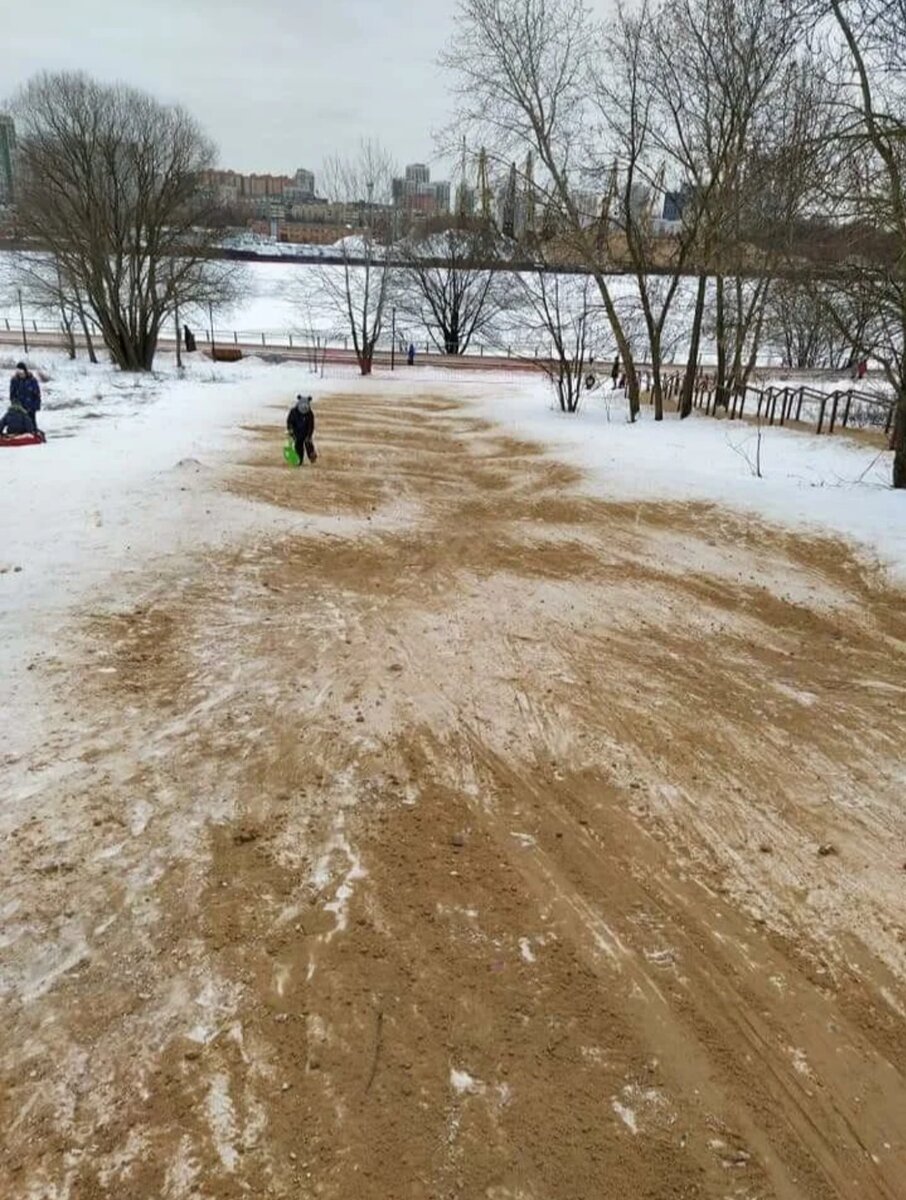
(25, 391)
(300, 424)
(189, 339)
(615, 373)
(410, 356)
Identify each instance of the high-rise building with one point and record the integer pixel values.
(304, 183)
(415, 192)
(7, 159)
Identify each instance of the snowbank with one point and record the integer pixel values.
(830, 484)
(126, 476)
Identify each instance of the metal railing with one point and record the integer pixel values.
(827, 411)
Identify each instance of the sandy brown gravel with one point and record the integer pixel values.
(480, 840)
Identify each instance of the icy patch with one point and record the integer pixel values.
(323, 872)
(222, 1117)
(626, 1115)
(182, 1171)
(800, 1062)
(340, 903)
(463, 1084)
(525, 949)
(48, 970)
(806, 699)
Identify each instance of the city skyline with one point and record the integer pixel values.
(295, 84)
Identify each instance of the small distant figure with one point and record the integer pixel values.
(188, 338)
(17, 421)
(300, 424)
(410, 354)
(862, 369)
(615, 373)
(25, 391)
(622, 384)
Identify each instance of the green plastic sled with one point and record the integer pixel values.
(290, 457)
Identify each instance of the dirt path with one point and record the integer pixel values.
(487, 841)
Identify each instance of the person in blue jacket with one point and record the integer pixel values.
(16, 422)
(25, 391)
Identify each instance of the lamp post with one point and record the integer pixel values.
(393, 341)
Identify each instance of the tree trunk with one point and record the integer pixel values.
(657, 391)
(720, 336)
(561, 390)
(623, 346)
(898, 441)
(685, 407)
(70, 335)
(89, 340)
(365, 359)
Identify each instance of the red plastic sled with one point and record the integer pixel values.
(22, 439)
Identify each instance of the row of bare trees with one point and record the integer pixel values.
(772, 118)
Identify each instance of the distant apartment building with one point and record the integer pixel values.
(7, 159)
(230, 187)
(302, 188)
(414, 192)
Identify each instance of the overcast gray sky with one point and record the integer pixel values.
(279, 84)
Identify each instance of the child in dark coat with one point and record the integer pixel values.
(300, 424)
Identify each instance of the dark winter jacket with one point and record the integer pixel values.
(300, 421)
(26, 392)
(15, 421)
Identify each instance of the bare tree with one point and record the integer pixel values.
(800, 327)
(109, 186)
(42, 279)
(564, 312)
(523, 72)
(721, 77)
(635, 125)
(356, 294)
(866, 188)
(451, 282)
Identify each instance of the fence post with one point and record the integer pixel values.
(6, 320)
(821, 413)
(263, 343)
(833, 416)
(799, 401)
(235, 338)
(742, 403)
(783, 403)
(846, 407)
(290, 341)
(773, 407)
